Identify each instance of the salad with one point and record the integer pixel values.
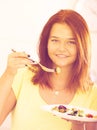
(73, 111)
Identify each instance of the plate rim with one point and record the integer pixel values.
(70, 117)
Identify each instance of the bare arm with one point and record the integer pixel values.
(7, 98)
(16, 60)
(84, 126)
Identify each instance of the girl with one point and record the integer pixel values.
(65, 44)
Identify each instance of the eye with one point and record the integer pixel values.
(54, 40)
(71, 42)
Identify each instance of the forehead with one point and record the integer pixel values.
(61, 31)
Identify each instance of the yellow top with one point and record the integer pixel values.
(28, 115)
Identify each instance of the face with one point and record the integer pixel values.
(62, 45)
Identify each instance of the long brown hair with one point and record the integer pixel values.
(81, 67)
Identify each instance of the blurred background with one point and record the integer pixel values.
(21, 22)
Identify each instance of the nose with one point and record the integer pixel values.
(62, 47)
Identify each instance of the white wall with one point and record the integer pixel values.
(21, 22)
(88, 9)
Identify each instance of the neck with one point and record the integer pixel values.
(57, 92)
(60, 81)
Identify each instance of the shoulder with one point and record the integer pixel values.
(94, 88)
(87, 98)
(23, 75)
(90, 92)
(93, 97)
(24, 72)
(93, 92)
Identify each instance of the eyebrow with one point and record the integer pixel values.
(71, 38)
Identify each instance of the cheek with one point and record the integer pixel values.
(50, 49)
(74, 53)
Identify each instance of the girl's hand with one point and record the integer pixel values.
(80, 125)
(17, 60)
(84, 125)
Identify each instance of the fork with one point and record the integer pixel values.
(44, 67)
(56, 70)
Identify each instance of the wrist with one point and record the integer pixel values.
(10, 73)
(77, 125)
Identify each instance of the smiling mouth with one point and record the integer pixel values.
(61, 56)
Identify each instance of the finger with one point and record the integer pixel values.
(20, 54)
(13, 50)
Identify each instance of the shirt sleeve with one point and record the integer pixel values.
(17, 82)
(94, 98)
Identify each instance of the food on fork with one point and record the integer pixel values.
(56, 70)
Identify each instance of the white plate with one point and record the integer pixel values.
(65, 115)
